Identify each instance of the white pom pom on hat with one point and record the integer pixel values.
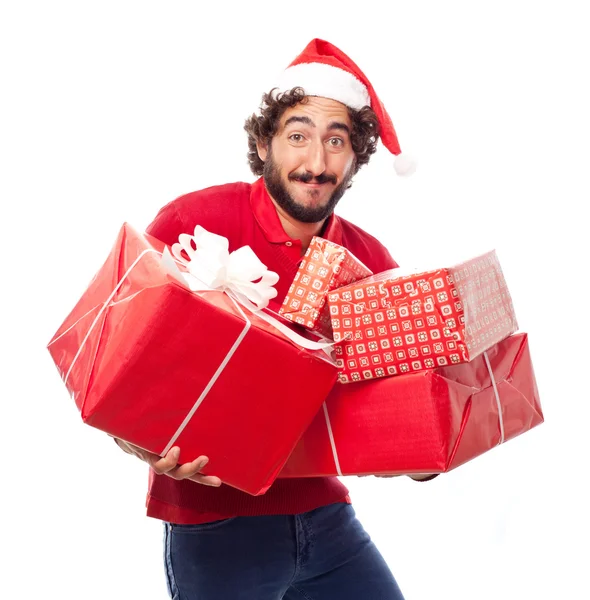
(324, 70)
(404, 165)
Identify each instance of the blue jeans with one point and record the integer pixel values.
(324, 554)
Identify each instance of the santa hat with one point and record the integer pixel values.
(324, 70)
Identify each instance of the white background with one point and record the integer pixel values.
(110, 110)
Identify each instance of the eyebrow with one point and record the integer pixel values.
(335, 125)
(305, 120)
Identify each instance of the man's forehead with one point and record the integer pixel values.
(317, 111)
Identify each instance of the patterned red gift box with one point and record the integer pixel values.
(153, 363)
(326, 266)
(391, 324)
(426, 422)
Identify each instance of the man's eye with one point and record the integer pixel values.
(296, 137)
(336, 142)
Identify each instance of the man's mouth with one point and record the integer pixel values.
(312, 181)
(311, 184)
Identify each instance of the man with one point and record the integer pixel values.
(301, 539)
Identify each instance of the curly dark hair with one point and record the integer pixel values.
(262, 128)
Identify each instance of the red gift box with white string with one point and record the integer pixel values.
(391, 324)
(426, 422)
(157, 364)
(324, 267)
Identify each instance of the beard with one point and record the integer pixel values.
(305, 214)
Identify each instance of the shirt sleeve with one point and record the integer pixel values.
(386, 260)
(378, 258)
(167, 225)
(217, 209)
(368, 249)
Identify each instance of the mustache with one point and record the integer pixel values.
(308, 177)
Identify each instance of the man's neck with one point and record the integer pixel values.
(297, 229)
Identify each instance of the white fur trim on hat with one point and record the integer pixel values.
(318, 79)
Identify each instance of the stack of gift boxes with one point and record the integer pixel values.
(431, 372)
(427, 370)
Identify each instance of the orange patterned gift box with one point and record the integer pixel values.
(325, 267)
(391, 324)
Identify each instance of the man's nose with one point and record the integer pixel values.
(316, 159)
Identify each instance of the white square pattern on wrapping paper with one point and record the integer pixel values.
(325, 267)
(422, 317)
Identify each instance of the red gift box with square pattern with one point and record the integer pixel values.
(153, 363)
(391, 324)
(426, 422)
(325, 267)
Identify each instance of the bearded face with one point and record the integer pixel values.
(310, 162)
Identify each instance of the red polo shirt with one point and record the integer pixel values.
(245, 215)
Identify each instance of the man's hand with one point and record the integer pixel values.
(414, 476)
(168, 465)
(422, 476)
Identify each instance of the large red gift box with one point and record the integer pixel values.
(426, 422)
(153, 363)
(391, 324)
(325, 267)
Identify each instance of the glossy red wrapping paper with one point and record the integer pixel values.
(390, 324)
(326, 266)
(426, 422)
(137, 364)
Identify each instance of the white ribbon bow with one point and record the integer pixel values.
(241, 275)
(210, 266)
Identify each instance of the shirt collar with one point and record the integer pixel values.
(266, 215)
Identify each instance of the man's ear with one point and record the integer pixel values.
(262, 150)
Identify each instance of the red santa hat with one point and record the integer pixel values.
(324, 70)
